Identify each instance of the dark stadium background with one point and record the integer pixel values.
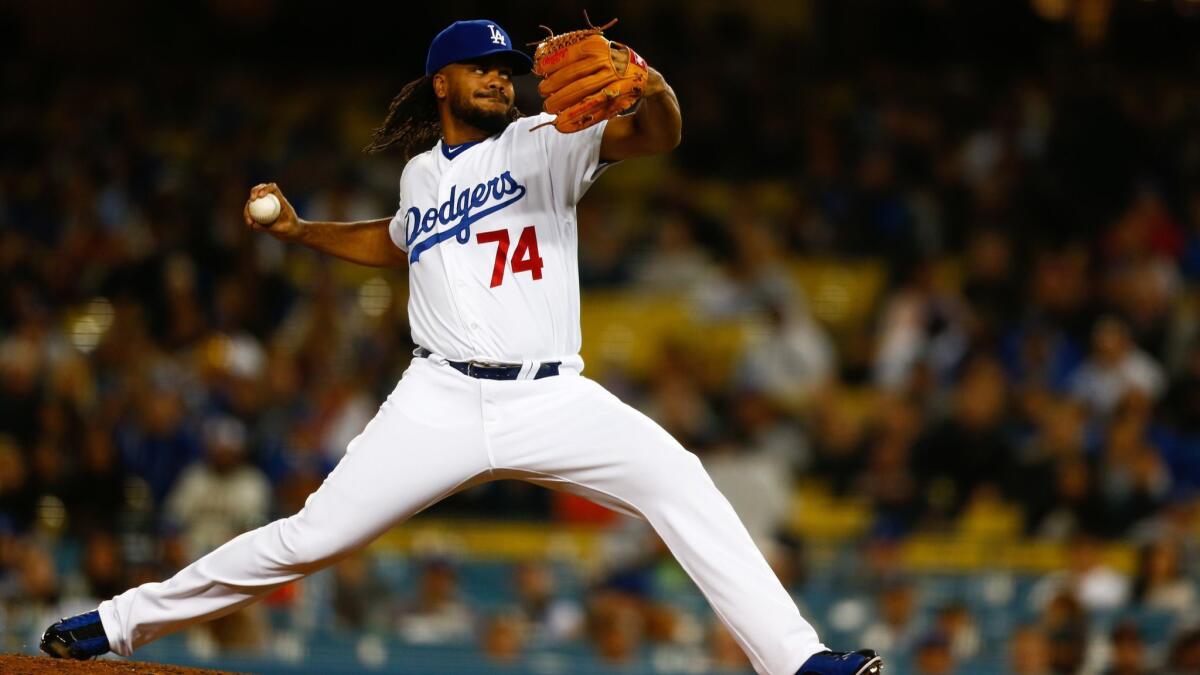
(919, 286)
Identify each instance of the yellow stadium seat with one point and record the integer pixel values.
(841, 294)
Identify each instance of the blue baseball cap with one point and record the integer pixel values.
(466, 40)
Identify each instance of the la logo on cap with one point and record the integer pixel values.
(464, 41)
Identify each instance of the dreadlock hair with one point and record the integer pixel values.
(412, 122)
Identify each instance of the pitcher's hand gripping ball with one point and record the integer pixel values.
(581, 83)
(265, 209)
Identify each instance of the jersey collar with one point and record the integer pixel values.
(452, 151)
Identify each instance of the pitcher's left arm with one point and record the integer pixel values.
(654, 128)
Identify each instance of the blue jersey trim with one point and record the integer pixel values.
(452, 151)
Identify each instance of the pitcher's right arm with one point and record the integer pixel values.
(365, 242)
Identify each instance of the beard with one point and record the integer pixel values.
(489, 121)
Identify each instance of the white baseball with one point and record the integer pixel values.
(265, 210)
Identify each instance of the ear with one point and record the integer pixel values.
(440, 86)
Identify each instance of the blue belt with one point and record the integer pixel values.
(489, 371)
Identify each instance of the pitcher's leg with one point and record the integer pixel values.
(396, 467)
(592, 444)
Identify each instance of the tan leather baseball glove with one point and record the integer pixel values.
(586, 78)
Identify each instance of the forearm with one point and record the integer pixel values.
(654, 128)
(365, 243)
(658, 118)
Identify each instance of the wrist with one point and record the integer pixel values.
(299, 230)
(655, 84)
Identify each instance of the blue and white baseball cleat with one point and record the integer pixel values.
(79, 637)
(861, 662)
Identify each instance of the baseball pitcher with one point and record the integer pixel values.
(486, 225)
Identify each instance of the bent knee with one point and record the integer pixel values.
(301, 547)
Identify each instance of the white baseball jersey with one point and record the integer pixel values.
(490, 233)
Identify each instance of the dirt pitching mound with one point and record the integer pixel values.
(16, 664)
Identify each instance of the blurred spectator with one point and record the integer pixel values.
(881, 218)
(17, 498)
(1029, 652)
(1068, 650)
(222, 496)
(978, 422)
(1142, 279)
(768, 429)
(991, 285)
(347, 410)
(438, 614)
(1115, 368)
(550, 617)
(921, 327)
(724, 652)
(899, 626)
(757, 485)
(504, 639)
(1133, 481)
(360, 598)
(20, 385)
(754, 280)
(1051, 482)
(1181, 406)
(155, 440)
(1128, 651)
(677, 402)
(955, 622)
(1178, 433)
(1073, 507)
(1160, 583)
(839, 438)
(97, 496)
(1040, 356)
(888, 479)
(1059, 287)
(615, 628)
(786, 555)
(1184, 656)
(102, 566)
(933, 656)
(1065, 624)
(603, 260)
(792, 360)
(675, 263)
(39, 582)
(1088, 582)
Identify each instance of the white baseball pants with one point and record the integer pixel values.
(439, 432)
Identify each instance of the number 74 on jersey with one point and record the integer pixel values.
(524, 259)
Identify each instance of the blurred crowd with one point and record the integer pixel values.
(169, 378)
